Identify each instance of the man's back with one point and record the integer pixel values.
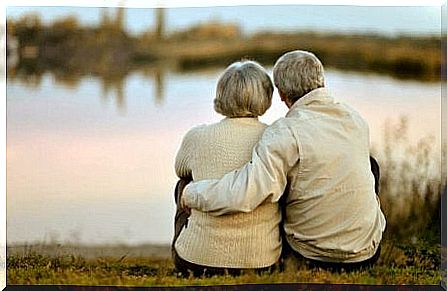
(331, 208)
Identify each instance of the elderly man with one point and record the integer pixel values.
(317, 159)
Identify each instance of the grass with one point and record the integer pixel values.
(411, 184)
(398, 264)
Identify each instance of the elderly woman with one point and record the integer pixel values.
(207, 244)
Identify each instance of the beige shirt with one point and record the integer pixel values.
(320, 151)
(240, 240)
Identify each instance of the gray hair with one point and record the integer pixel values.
(243, 90)
(296, 73)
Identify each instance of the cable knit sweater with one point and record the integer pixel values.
(242, 240)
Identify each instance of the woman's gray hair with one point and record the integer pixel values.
(243, 90)
(297, 73)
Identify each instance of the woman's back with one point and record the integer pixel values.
(243, 240)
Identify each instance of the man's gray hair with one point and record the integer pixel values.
(243, 90)
(296, 73)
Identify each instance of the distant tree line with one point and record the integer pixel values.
(67, 47)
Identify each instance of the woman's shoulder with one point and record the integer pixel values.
(242, 122)
(195, 131)
(225, 125)
(203, 131)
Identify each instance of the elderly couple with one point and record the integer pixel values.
(304, 186)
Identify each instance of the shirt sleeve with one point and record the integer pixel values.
(183, 159)
(263, 177)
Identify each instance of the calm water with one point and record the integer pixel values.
(92, 161)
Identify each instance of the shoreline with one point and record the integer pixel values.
(76, 51)
(158, 251)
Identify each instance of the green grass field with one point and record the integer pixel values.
(413, 263)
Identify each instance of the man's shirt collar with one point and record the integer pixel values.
(320, 95)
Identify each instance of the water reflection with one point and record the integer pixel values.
(157, 73)
(113, 84)
(159, 85)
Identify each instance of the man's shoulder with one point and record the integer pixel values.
(287, 123)
(355, 115)
(280, 130)
(280, 124)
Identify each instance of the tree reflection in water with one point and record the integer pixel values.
(113, 81)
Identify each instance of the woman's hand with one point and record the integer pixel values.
(183, 205)
(179, 194)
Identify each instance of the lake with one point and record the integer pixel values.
(92, 161)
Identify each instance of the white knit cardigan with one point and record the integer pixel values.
(241, 240)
